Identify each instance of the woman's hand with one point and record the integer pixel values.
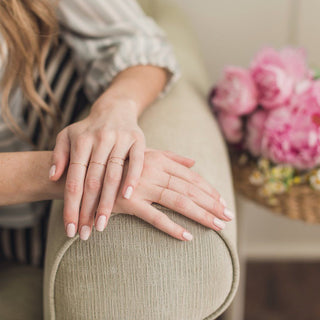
(168, 180)
(109, 132)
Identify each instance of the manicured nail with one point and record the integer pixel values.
(219, 223)
(101, 223)
(228, 213)
(128, 192)
(71, 230)
(187, 235)
(84, 233)
(223, 202)
(52, 171)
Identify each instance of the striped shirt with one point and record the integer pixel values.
(98, 39)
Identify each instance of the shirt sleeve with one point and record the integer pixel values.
(108, 36)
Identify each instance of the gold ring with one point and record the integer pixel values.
(121, 164)
(117, 158)
(159, 201)
(103, 164)
(85, 165)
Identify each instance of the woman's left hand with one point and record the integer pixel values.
(110, 131)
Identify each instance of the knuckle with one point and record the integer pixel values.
(61, 135)
(93, 184)
(138, 135)
(81, 141)
(217, 207)
(105, 135)
(181, 202)
(104, 208)
(113, 177)
(196, 178)
(157, 156)
(191, 191)
(73, 186)
(157, 220)
(101, 135)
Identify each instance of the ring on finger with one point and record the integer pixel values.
(167, 187)
(85, 165)
(116, 161)
(103, 164)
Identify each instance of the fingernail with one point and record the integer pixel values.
(223, 202)
(101, 223)
(219, 223)
(228, 213)
(52, 171)
(128, 192)
(187, 235)
(71, 230)
(84, 233)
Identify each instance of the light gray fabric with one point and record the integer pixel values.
(110, 36)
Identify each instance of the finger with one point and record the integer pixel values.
(182, 204)
(198, 196)
(80, 155)
(161, 221)
(136, 160)
(112, 179)
(92, 188)
(191, 176)
(188, 162)
(60, 156)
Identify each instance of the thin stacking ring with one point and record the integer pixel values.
(117, 158)
(165, 188)
(85, 165)
(103, 164)
(114, 161)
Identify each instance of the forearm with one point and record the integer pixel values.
(24, 178)
(139, 85)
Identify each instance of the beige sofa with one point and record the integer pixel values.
(133, 271)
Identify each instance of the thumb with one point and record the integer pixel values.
(60, 157)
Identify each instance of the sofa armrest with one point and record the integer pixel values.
(133, 270)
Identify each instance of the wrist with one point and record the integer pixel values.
(111, 101)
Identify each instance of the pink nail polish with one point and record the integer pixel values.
(128, 192)
(219, 223)
(187, 235)
(228, 213)
(101, 223)
(71, 230)
(85, 233)
(223, 202)
(52, 171)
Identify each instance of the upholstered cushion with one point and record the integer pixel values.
(20, 292)
(134, 271)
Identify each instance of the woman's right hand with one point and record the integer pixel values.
(168, 180)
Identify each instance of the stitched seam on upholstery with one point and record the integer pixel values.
(54, 270)
(235, 281)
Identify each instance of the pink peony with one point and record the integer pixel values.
(292, 134)
(231, 127)
(276, 75)
(255, 128)
(236, 92)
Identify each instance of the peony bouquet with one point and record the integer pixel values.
(271, 112)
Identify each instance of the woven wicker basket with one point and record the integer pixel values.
(300, 202)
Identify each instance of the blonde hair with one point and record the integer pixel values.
(29, 28)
